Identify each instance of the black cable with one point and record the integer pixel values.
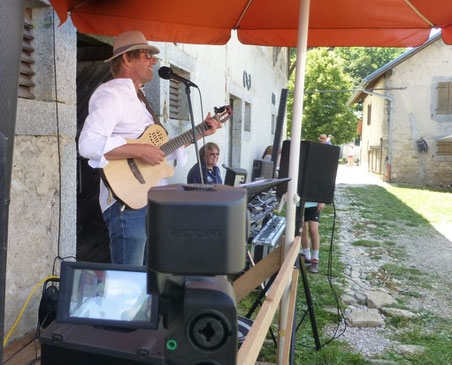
(34, 360)
(58, 136)
(203, 137)
(36, 353)
(340, 314)
(61, 259)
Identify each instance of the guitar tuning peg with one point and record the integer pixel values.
(218, 110)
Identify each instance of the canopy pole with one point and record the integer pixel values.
(294, 157)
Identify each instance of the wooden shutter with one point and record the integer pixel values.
(174, 99)
(444, 148)
(444, 104)
(26, 83)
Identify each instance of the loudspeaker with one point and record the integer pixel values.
(235, 176)
(317, 171)
(262, 169)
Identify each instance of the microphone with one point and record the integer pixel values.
(225, 167)
(166, 73)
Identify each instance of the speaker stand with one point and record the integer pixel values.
(300, 265)
(299, 220)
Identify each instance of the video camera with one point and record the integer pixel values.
(180, 309)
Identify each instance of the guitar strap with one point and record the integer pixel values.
(148, 107)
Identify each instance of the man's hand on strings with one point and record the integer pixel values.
(151, 155)
(213, 124)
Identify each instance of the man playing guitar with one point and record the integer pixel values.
(117, 111)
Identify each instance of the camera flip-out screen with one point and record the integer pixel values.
(106, 294)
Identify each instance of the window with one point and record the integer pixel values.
(444, 148)
(26, 83)
(369, 114)
(444, 98)
(273, 123)
(178, 104)
(247, 124)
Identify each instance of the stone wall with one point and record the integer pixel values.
(414, 117)
(38, 229)
(413, 83)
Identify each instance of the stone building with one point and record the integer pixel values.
(54, 207)
(407, 117)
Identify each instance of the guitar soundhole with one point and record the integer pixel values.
(156, 137)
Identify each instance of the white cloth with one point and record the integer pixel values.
(115, 113)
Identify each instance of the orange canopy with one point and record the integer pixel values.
(371, 23)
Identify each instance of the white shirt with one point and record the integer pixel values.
(115, 113)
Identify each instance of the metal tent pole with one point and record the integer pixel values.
(294, 157)
(11, 33)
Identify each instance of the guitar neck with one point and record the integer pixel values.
(183, 139)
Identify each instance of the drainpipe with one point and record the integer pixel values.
(389, 99)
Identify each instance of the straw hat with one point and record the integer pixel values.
(131, 41)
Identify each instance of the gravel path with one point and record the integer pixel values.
(429, 252)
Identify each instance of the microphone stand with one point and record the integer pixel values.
(195, 137)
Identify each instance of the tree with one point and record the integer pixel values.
(361, 62)
(325, 112)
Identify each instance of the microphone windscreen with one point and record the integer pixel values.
(224, 166)
(165, 72)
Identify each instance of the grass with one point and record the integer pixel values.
(391, 212)
(433, 206)
(431, 332)
(366, 243)
(412, 294)
(403, 272)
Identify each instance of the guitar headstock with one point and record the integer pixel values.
(223, 113)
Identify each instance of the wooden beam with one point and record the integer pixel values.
(250, 348)
(257, 274)
(289, 324)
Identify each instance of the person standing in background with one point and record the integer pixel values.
(311, 221)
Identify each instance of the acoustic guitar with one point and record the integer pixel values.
(130, 179)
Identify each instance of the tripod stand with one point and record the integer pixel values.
(310, 309)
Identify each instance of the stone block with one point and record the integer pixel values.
(365, 318)
(376, 299)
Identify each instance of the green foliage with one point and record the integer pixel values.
(325, 112)
(360, 62)
(338, 69)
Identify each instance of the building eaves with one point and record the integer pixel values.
(375, 76)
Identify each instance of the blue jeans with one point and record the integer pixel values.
(127, 231)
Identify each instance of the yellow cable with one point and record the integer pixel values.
(25, 306)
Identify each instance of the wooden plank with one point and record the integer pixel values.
(257, 274)
(249, 351)
(290, 316)
(21, 351)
